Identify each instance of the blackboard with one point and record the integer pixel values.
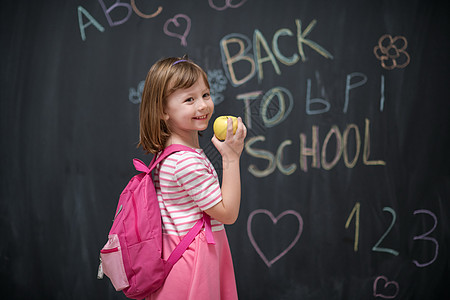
(345, 171)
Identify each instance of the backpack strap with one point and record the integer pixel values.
(140, 166)
(166, 152)
(188, 238)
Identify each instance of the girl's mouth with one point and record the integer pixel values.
(204, 117)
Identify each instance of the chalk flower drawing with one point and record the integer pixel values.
(391, 52)
(218, 83)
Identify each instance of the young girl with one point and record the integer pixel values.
(176, 105)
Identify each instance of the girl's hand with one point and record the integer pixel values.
(227, 210)
(233, 144)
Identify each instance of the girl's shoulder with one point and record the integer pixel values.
(186, 157)
(186, 161)
(189, 157)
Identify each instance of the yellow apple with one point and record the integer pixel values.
(220, 126)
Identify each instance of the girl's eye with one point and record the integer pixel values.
(206, 95)
(189, 99)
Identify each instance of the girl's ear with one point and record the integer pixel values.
(165, 116)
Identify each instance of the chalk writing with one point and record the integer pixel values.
(116, 5)
(391, 52)
(322, 105)
(122, 13)
(83, 12)
(141, 14)
(283, 110)
(310, 102)
(175, 22)
(319, 158)
(246, 97)
(260, 153)
(301, 40)
(425, 237)
(242, 55)
(268, 262)
(382, 94)
(107, 11)
(351, 164)
(227, 4)
(258, 41)
(349, 86)
(377, 245)
(355, 212)
(389, 290)
(231, 61)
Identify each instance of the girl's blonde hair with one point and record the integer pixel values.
(165, 76)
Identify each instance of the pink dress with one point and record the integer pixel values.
(187, 184)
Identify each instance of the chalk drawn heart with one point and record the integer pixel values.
(175, 22)
(390, 287)
(275, 221)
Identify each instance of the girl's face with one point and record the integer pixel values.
(188, 111)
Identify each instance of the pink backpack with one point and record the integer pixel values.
(132, 257)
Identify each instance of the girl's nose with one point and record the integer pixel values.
(201, 104)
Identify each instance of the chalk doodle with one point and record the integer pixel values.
(275, 221)
(135, 94)
(218, 83)
(391, 52)
(227, 4)
(390, 289)
(175, 22)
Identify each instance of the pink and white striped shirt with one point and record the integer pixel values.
(186, 184)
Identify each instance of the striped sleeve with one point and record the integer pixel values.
(194, 173)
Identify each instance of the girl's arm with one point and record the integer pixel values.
(227, 210)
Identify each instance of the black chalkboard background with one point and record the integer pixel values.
(346, 183)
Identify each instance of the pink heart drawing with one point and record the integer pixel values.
(390, 287)
(174, 20)
(274, 220)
